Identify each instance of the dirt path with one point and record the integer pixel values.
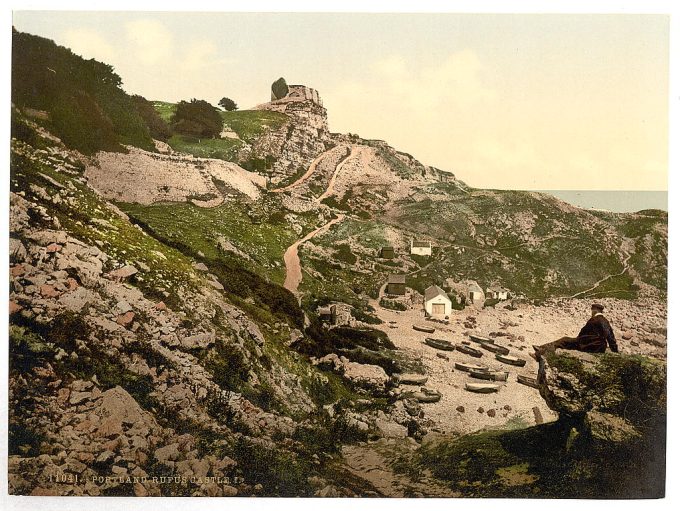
(292, 259)
(595, 286)
(356, 150)
(305, 176)
(372, 462)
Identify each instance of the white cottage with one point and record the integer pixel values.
(423, 248)
(437, 303)
(497, 293)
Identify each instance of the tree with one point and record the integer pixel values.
(197, 118)
(279, 89)
(228, 104)
(158, 128)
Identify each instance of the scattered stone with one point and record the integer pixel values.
(460, 408)
(216, 285)
(17, 270)
(52, 248)
(125, 319)
(491, 412)
(48, 291)
(79, 397)
(123, 273)
(480, 410)
(14, 307)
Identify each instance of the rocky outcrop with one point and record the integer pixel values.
(615, 396)
(294, 145)
(613, 408)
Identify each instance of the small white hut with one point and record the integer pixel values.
(423, 248)
(436, 302)
(475, 293)
(497, 293)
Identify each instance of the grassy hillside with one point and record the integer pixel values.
(247, 124)
(200, 229)
(82, 100)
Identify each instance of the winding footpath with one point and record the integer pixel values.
(305, 176)
(292, 259)
(356, 150)
(597, 284)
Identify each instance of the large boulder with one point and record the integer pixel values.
(615, 397)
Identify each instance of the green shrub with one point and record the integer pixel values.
(197, 118)
(280, 473)
(26, 349)
(344, 253)
(157, 127)
(228, 365)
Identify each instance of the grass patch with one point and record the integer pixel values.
(219, 148)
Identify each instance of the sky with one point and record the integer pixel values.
(508, 101)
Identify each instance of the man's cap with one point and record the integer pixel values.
(598, 306)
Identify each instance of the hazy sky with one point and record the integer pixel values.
(503, 101)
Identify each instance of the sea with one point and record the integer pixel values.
(617, 201)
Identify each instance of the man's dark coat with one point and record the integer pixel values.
(595, 336)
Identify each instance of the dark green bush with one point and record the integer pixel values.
(197, 118)
(344, 253)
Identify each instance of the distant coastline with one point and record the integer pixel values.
(619, 201)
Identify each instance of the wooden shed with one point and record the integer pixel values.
(387, 252)
(396, 285)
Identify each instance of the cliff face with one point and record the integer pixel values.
(301, 140)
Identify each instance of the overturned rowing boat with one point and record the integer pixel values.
(509, 359)
(469, 351)
(479, 339)
(482, 388)
(490, 375)
(439, 344)
(426, 329)
(494, 348)
(526, 380)
(462, 366)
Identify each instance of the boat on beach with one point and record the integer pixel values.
(490, 375)
(482, 388)
(509, 359)
(462, 366)
(495, 348)
(439, 344)
(479, 339)
(469, 351)
(426, 329)
(527, 380)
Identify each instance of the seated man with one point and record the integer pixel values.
(593, 337)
